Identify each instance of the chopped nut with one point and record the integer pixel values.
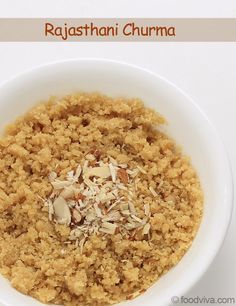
(94, 203)
(108, 228)
(146, 229)
(68, 192)
(76, 233)
(123, 166)
(130, 226)
(60, 184)
(62, 211)
(103, 197)
(132, 208)
(113, 172)
(76, 216)
(113, 161)
(102, 171)
(97, 210)
(112, 216)
(137, 219)
(91, 215)
(52, 176)
(70, 176)
(123, 176)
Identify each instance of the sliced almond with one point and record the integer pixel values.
(108, 228)
(88, 182)
(123, 176)
(113, 161)
(103, 172)
(52, 176)
(97, 210)
(93, 203)
(113, 172)
(70, 176)
(76, 233)
(146, 229)
(91, 215)
(60, 184)
(137, 219)
(72, 203)
(123, 166)
(112, 216)
(105, 197)
(132, 208)
(130, 226)
(62, 211)
(50, 210)
(76, 216)
(122, 187)
(112, 206)
(133, 173)
(68, 192)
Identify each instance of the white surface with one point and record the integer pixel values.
(115, 79)
(207, 72)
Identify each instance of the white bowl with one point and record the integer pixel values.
(187, 125)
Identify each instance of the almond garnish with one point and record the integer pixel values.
(146, 229)
(108, 228)
(103, 172)
(123, 176)
(62, 211)
(68, 192)
(76, 216)
(60, 184)
(52, 176)
(132, 208)
(113, 172)
(98, 198)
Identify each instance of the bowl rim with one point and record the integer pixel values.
(221, 148)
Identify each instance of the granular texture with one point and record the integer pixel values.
(34, 251)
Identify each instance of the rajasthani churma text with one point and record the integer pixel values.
(92, 30)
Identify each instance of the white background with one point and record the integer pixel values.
(206, 71)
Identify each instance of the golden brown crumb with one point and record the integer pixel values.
(34, 252)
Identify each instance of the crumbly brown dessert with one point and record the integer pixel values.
(95, 203)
